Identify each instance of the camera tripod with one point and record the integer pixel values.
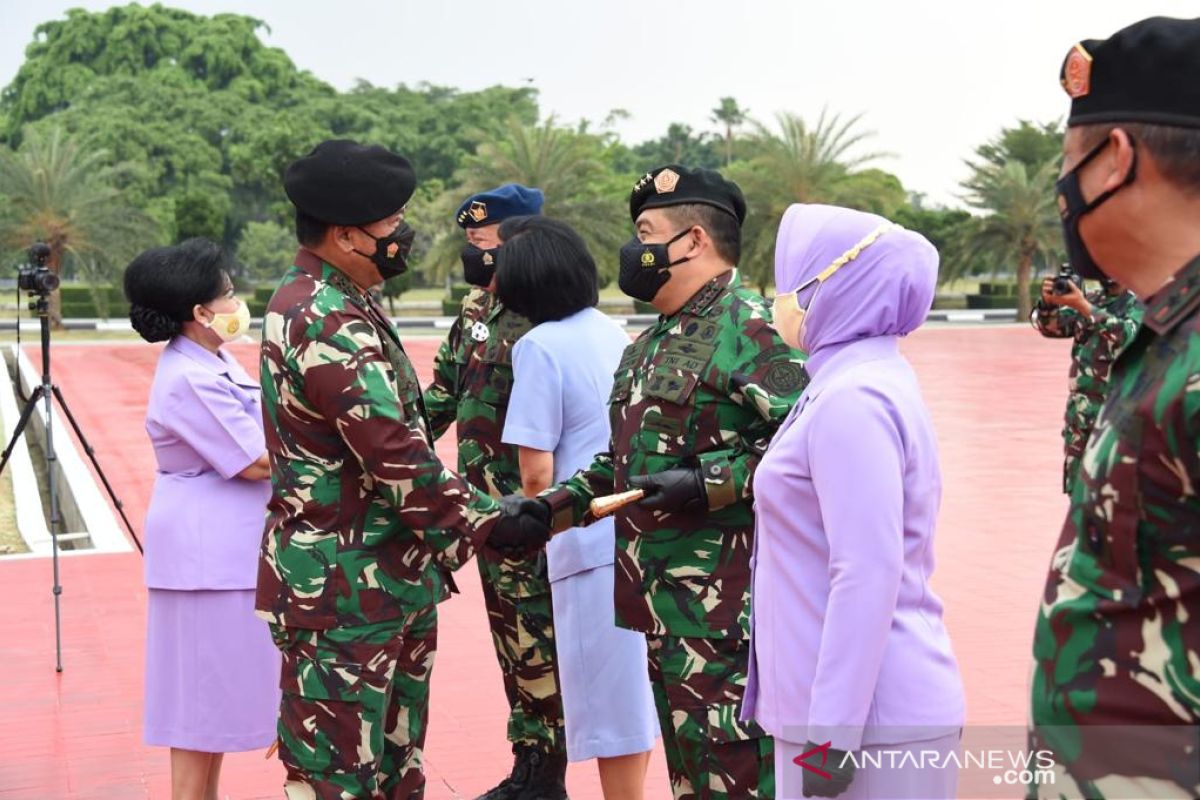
(47, 392)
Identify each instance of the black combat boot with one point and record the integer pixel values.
(547, 777)
(536, 775)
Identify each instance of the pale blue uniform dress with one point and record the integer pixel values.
(563, 374)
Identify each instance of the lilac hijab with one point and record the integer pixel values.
(886, 291)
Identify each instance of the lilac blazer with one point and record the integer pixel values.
(204, 525)
(848, 643)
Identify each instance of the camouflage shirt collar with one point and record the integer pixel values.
(1175, 302)
(702, 301)
(325, 272)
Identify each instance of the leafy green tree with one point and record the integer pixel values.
(266, 250)
(200, 214)
(943, 227)
(1030, 143)
(800, 162)
(1019, 221)
(55, 191)
(568, 166)
(729, 114)
(680, 145)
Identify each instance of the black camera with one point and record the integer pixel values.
(1064, 279)
(35, 277)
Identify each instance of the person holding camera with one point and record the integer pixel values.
(211, 682)
(1101, 322)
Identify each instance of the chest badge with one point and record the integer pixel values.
(480, 332)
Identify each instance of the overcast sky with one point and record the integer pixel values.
(933, 78)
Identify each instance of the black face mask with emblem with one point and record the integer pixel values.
(479, 266)
(391, 251)
(645, 267)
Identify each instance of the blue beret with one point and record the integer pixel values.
(342, 182)
(495, 205)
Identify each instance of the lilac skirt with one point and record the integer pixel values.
(212, 672)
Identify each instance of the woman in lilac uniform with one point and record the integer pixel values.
(211, 669)
(558, 417)
(850, 656)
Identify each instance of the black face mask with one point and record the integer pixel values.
(391, 251)
(1074, 207)
(646, 267)
(479, 266)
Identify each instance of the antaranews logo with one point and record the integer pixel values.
(944, 762)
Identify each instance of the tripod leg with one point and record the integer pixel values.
(26, 413)
(91, 454)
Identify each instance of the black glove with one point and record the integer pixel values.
(524, 524)
(837, 764)
(679, 489)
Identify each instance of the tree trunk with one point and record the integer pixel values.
(1024, 273)
(54, 263)
(728, 144)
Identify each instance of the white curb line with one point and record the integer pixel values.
(97, 517)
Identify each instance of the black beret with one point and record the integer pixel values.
(343, 182)
(674, 185)
(1148, 72)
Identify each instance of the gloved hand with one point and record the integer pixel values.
(837, 764)
(678, 489)
(524, 524)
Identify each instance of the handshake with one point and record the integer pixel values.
(524, 523)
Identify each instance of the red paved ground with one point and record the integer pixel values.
(996, 396)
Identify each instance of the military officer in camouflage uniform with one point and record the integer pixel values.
(471, 385)
(364, 525)
(1101, 322)
(1116, 684)
(696, 399)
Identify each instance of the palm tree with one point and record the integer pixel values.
(731, 115)
(570, 168)
(798, 163)
(53, 190)
(1020, 221)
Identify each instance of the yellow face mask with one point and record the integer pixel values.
(789, 316)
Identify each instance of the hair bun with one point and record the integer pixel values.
(152, 324)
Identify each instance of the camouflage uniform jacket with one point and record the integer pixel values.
(364, 523)
(706, 386)
(472, 381)
(1117, 640)
(1098, 341)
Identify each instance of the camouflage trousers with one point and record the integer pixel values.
(354, 708)
(516, 593)
(698, 686)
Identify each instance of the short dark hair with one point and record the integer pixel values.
(722, 227)
(164, 284)
(310, 231)
(544, 271)
(1175, 150)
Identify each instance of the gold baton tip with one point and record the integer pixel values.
(603, 506)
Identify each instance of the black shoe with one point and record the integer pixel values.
(536, 775)
(547, 777)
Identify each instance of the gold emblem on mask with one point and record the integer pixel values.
(665, 181)
(488, 260)
(478, 211)
(232, 326)
(392, 249)
(647, 259)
